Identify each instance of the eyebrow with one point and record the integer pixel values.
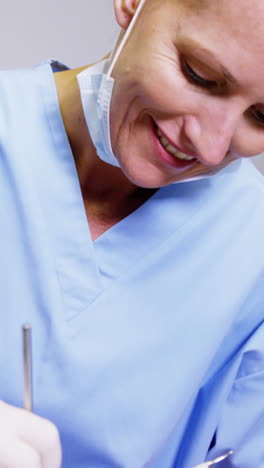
(194, 46)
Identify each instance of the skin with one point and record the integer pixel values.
(215, 124)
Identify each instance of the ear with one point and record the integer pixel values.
(124, 11)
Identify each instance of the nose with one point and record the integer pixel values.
(211, 132)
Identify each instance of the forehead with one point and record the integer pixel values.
(228, 27)
(236, 15)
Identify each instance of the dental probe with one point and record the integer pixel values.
(27, 367)
(216, 460)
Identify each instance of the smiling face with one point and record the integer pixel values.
(192, 75)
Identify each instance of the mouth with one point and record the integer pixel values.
(170, 153)
(172, 149)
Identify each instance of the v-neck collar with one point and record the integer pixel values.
(147, 228)
(86, 268)
(74, 252)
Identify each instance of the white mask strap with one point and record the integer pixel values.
(124, 39)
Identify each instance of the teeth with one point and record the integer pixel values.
(171, 149)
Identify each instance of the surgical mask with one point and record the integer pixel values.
(96, 89)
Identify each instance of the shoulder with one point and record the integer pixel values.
(14, 83)
(19, 76)
(23, 95)
(241, 175)
(238, 193)
(16, 87)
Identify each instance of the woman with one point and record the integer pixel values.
(148, 343)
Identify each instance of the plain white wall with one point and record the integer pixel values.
(76, 32)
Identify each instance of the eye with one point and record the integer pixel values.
(257, 115)
(195, 78)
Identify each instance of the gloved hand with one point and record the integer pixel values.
(26, 440)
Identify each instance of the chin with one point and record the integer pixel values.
(148, 176)
(151, 172)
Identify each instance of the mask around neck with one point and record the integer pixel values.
(96, 90)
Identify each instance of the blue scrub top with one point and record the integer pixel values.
(148, 344)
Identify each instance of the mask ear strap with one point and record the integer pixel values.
(116, 54)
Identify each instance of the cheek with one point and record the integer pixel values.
(248, 140)
(165, 92)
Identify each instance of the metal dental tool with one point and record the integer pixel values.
(27, 367)
(216, 460)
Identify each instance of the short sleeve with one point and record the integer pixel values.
(241, 427)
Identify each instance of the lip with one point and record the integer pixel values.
(175, 146)
(167, 157)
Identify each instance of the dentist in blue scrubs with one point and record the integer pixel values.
(132, 236)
